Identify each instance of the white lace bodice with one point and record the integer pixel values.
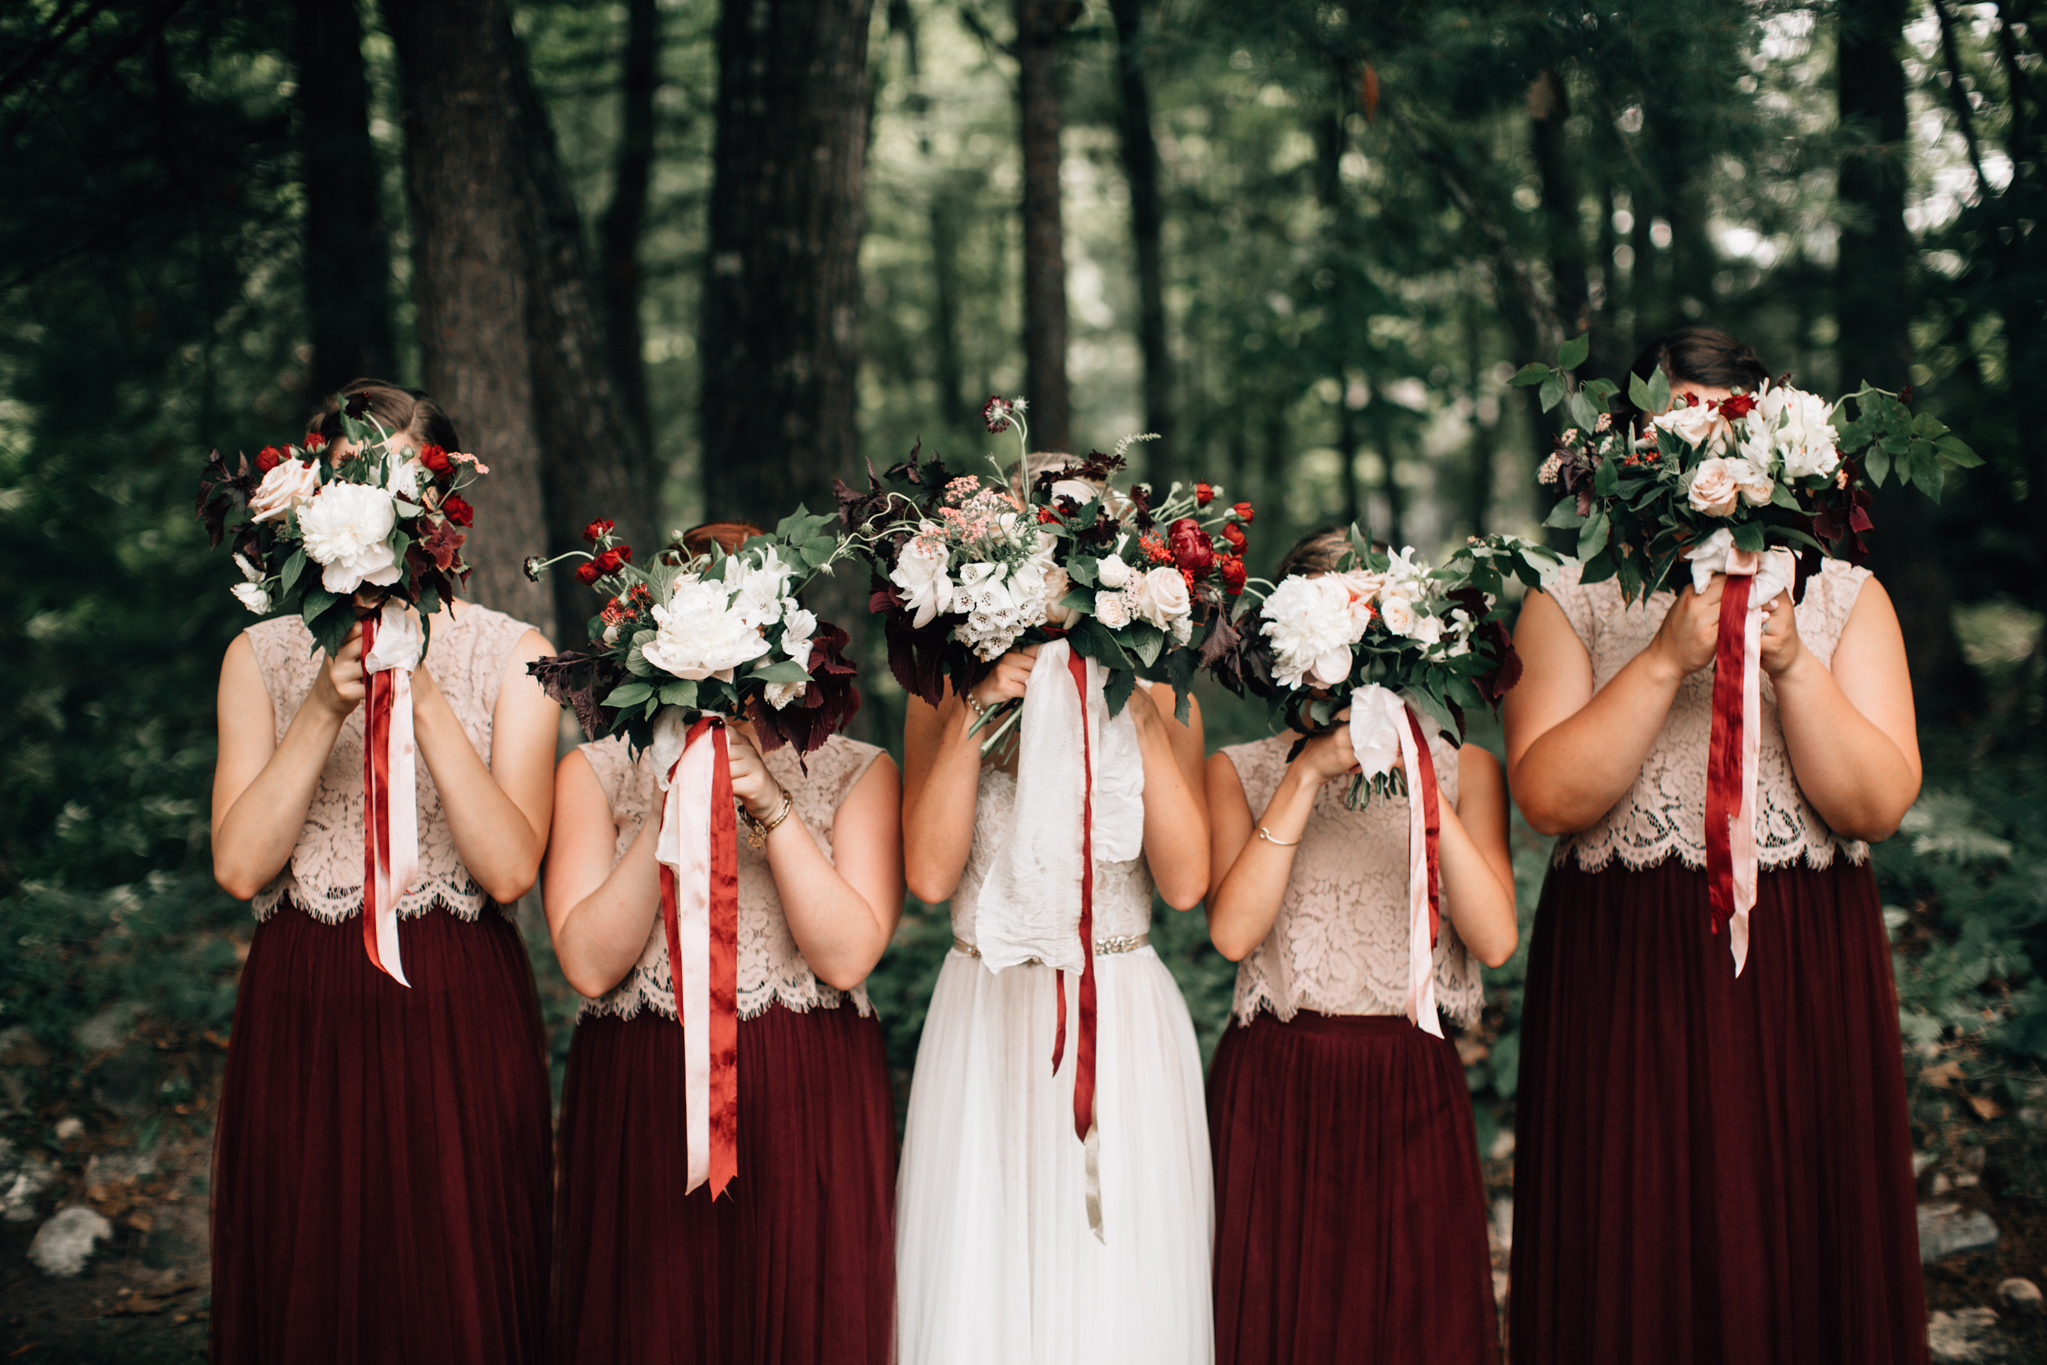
(1339, 943)
(1122, 900)
(1664, 813)
(771, 967)
(468, 656)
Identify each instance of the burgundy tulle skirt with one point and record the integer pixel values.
(1712, 1171)
(1350, 1216)
(794, 1264)
(381, 1166)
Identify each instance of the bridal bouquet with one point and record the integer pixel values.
(359, 532)
(682, 646)
(1755, 486)
(321, 530)
(1386, 637)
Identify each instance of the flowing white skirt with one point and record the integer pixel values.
(995, 1262)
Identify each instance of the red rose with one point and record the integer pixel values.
(1736, 406)
(314, 443)
(436, 459)
(1190, 544)
(1244, 512)
(588, 573)
(611, 561)
(1234, 534)
(268, 458)
(598, 530)
(1204, 494)
(457, 509)
(1233, 575)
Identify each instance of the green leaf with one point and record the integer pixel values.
(317, 604)
(1144, 641)
(1877, 464)
(1081, 600)
(681, 692)
(1180, 666)
(781, 671)
(1583, 413)
(1552, 392)
(1638, 392)
(1600, 567)
(1573, 352)
(1081, 569)
(1781, 496)
(293, 567)
(1748, 535)
(1606, 480)
(1798, 537)
(1564, 515)
(1529, 374)
(629, 694)
(1956, 453)
(1592, 539)
(1659, 391)
(1601, 392)
(1116, 691)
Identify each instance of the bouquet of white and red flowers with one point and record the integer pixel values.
(321, 530)
(683, 646)
(1387, 638)
(1775, 469)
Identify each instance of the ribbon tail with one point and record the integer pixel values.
(1423, 896)
(1084, 1126)
(1742, 836)
(381, 888)
(1723, 752)
(722, 944)
(687, 836)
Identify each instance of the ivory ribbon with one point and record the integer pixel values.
(1384, 730)
(1734, 746)
(697, 848)
(391, 648)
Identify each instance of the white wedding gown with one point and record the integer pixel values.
(995, 1261)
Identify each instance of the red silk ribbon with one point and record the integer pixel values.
(390, 809)
(1084, 1043)
(1724, 748)
(715, 1095)
(1432, 820)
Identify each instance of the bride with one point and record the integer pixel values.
(999, 1257)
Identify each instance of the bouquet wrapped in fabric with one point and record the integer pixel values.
(362, 531)
(1112, 585)
(681, 647)
(1387, 638)
(1756, 486)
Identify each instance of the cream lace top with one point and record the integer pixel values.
(1339, 944)
(1122, 901)
(468, 655)
(771, 967)
(1664, 813)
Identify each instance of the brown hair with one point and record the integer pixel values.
(726, 535)
(1701, 355)
(396, 409)
(1319, 551)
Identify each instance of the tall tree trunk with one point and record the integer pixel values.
(1873, 304)
(1147, 224)
(781, 335)
(1548, 109)
(508, 325)
(1037, 53)
(1478, 488)
(943, 220)
(348, 256)
(625, 218)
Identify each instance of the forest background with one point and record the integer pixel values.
(1307, 243)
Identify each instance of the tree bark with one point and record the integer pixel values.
(781, 339)
(943, 218)
(625, 218)
(1548, 109)
(348, 256)
(1147, 225)
(1874, 288)
(1037, 54)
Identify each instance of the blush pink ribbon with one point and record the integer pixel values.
(1384, 730)
(1734, 746)
(391, 646)
(697, 849)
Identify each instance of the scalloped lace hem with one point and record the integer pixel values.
(630, 1004)
(463, 905)
(1462, 1012)
(1816, 856)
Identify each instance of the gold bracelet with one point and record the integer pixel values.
(1266, 835)
(757, 829)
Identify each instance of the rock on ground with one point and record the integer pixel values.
(1966, 1334)
(24, 1177)
(66, 1242)
(2021, 1296)
(1949, 1230)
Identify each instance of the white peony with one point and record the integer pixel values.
(1714, 487)
(283, 488)
(1161, 598)
(1114, 609)
(920, 572)
(1701, 426)
(700, 633)
(1399, 614)
(252, 596)
(1114, 573)
(798, 626)
(1308, 621)
(347, 529)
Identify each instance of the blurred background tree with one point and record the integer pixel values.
(665, 262)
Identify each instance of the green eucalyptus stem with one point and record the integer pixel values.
(1005, 717)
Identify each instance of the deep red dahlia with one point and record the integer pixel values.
(1234, 534)
(612, 560)
(457, 509)
(1233, 575)
(588, 573)
(436, 459)
(1190, 545)
(996, 412)
(598, 530)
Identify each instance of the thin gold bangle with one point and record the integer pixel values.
(758, 830)
(1266, 835)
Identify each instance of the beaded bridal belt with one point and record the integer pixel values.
(1120, 943)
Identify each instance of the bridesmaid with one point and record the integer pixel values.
(792, 1262)
(1711, 1168)
(1351, 1219)
(381, 1167)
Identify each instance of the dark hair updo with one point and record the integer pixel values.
(1701, 355)
(396, 409)
(1319, 551)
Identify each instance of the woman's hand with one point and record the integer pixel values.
(1781, 647)
(1690, 632)
(338, 687)
(1006, 683)
(1329, 756)
(752, 783)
